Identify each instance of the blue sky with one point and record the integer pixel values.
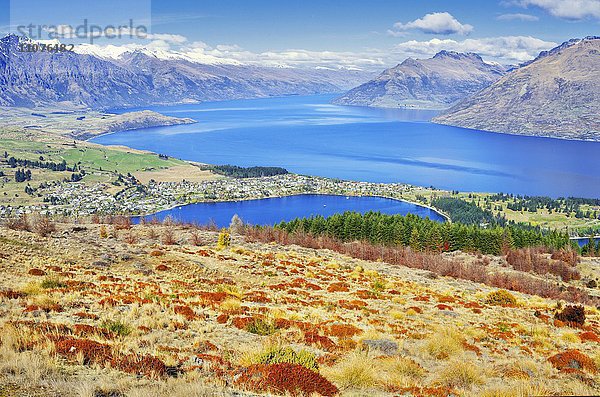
(362, 34)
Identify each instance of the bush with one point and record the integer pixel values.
(103, 232)
(459, 373)
(277, 355)
(43, 226)
(224, 240)
(117, 327)
(52, 282)
(261, 327)
(20, 223)
(196, 238)
(500, 298)
(168, 237)
(571, 314)
(444, 344)
(285, 379)
(354, 371)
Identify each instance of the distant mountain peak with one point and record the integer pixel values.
(457, 55)
(436, 82)
(557, 94)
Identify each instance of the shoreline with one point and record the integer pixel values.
(439, 212)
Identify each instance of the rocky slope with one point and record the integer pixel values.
(434, 83)
(139, 78)
(557, 95)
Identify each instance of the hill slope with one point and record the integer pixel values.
(557, 94)
(119, 312)
(435, 83)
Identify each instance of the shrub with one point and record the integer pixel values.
(285, 378)
(121, 222)
(500, 298)
(43, 226)
(573, 360)
(261, 327)
(196, 239)
(52, 282)
(131, 238)
(277, 355)
(572, 314)
(355, 371)
(168, 237)
(224, 240)
(460, 373)
(444, 344)
(20, 223)
(117, 327)
(103, 232)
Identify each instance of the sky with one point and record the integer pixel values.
(363, 34)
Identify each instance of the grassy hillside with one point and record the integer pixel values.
(161, 309)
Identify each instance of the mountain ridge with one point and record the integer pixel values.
(432, 83)
(139, 79)
(556, 95)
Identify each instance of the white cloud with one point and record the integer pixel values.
(567, 9)
(517, 17)
(503, 49)
(436, 23)
(170, 38)
(508, 49)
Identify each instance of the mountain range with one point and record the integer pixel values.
(557, 94)
(140, 78)
(434, 83)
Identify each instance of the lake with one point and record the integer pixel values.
(274, 210)
(308, 135)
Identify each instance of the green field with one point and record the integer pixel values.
(102, 165)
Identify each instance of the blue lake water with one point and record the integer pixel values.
(584, 241)
(307, 135)
(274, 210)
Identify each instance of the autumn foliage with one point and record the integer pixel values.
(285, 378)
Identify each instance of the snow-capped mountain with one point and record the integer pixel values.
(120, 77)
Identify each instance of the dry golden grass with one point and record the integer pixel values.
(470, 347)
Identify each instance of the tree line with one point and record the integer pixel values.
(423, 234)
(246, 172)
(62, 166)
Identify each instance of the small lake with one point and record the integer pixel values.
(274, 210)
(584, 240)
(308, 135)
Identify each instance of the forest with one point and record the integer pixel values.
(246, 172)
(424, 234)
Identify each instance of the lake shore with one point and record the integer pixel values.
(442, 215)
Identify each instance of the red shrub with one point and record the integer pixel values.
(569, 256)
(140, 365)
(343, 330)
(312, 338)
(574, 315)
(573, 359)
(10, 294)
(36, 272)
(589, 336)
(91, 316)
(286, 378)
(186, 312)
(92, 352)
